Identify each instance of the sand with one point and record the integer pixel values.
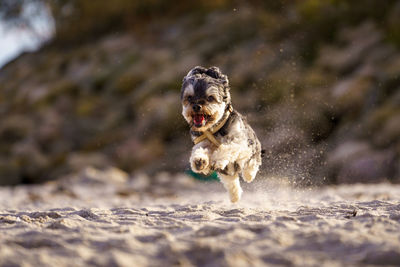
(108, 219)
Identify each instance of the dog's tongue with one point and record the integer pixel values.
(198, 120)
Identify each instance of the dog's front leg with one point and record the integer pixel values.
(224, 155)
(200, 159)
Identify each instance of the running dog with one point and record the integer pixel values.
(223, 140)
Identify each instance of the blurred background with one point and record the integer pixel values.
(97, 83)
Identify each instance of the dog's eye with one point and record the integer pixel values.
(189, 98)
(210, 98)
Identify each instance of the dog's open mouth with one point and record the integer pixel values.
(199, 120)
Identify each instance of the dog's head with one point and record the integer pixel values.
(205, 97)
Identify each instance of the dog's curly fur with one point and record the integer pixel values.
(206, 102)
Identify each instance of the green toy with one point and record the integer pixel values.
(205, 178)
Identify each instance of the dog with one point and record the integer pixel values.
(223, 140)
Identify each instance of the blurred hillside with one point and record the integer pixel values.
(318, 80)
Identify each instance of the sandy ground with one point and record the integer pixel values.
(106, 219)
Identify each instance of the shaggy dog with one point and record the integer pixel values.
(223, 141)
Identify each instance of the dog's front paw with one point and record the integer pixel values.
(199, 162)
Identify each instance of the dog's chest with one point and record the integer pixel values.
(234, 134)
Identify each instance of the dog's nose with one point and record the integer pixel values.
(196, 108)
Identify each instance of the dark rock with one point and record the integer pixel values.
(14, 128)
(359, 42)
(79, 161)
(390, 133)
(371, 167)
(350, 94)
(347, 151)
(396, 178)
(9, 172)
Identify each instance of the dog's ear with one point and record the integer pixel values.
(196, 70)
(216, 73)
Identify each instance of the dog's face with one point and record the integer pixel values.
(205, 97)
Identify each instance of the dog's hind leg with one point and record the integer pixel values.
(232, 184)
(250, 170)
